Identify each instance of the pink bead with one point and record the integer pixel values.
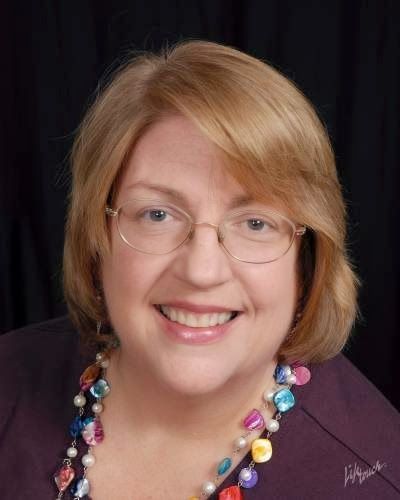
(92, 432)
(303, 375)
(254, 420)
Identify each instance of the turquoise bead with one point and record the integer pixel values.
(284, 400)
(224, 465)
(100, 389)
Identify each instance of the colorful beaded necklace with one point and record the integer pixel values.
(88, 427)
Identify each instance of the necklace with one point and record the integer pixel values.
(87, 427)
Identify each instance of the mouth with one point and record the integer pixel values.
(196, 320)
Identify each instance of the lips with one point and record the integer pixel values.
(186, 334)
(194, 319)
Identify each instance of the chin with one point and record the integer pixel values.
(194, 377)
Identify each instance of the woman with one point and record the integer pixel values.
(205, 264)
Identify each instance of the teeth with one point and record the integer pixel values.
(194, 319)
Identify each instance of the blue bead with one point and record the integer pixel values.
(100, 389)
(279, 374)
(224, 465)
(80, 488)
(76, 427)
(284, 400)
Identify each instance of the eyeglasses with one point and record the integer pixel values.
(156, 227)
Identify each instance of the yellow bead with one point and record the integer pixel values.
(261, 450)
(193, 498)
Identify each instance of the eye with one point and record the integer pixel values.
(257, 224)
(151, 217)
(155, 215)
(254, 226)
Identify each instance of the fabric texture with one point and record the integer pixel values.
(340, 441)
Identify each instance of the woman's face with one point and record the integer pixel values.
(199, 276)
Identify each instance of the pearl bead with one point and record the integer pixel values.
(97, 407)
(105, 363)
(291, 379)
(72, 452)
(208, 488)
(245, 474)
(272, 425)
(268, 395)
(240, 442)
(287, 370)
(88, 460)
(100, 356)
(79, 400)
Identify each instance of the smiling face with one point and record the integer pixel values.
(197, 278)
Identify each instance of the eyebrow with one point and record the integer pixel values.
(236, 202)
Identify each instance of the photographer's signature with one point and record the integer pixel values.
(353, 472)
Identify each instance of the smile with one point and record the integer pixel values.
(196, 320)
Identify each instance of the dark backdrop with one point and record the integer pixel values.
(343, 54)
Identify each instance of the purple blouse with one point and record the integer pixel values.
(340, 441)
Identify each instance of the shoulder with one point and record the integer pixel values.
(30, 353)
(338, 388)
(341, 440)
(39, 372)
(35, 359)
(38, 334)
(354, 416)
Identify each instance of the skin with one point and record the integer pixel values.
(162, 391)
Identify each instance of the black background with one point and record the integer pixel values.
(345, 56)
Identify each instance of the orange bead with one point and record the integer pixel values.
(89, 377)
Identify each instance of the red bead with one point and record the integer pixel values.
(63, 477)
(231, 493)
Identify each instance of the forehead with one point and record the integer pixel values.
(176, 155)
(174, 159)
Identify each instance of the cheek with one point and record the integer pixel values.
(130, 277)
(273, 289)
(126, 275)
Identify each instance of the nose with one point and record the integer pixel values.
(202, 261)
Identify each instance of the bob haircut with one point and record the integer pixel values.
(271, 142)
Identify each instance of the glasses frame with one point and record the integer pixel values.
(298, 229)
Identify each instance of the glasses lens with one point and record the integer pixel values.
(257, 236)
(152, 226)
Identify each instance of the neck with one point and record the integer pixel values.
(145, 407)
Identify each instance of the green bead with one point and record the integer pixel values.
(224, 466)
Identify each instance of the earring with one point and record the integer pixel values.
(113, 340)
(294, 325)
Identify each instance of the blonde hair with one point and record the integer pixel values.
(274, 145)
